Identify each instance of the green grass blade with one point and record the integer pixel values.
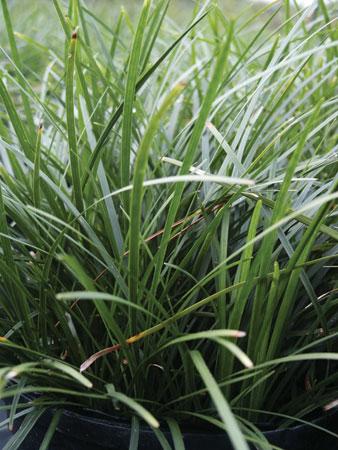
(134, 433)
(144, 77)
(71, 125)
(17, 61)
(129, 96)
(36, 172)
(137, 192)
(191, 151)
(21, 435)
(132, 404)
(176, 434)
(18, 126)
(222, 406)
(51, 430)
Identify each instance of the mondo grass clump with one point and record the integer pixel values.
(168, 215)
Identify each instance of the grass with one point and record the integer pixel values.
(168, 216)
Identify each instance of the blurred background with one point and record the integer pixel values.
(38, 28)
(31, 12)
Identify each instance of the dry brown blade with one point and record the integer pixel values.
(107, 350)
(131, 340)
(114, 348)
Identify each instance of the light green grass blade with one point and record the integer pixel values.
(176, 434)
(134, 433)
(222, 406)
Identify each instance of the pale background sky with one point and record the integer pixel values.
(300, 2)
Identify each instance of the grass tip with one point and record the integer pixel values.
(182, 84)
(11, 374)
(240, 334)
(331, 405)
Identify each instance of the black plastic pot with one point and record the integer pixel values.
(89, 430)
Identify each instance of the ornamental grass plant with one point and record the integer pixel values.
(168, 216)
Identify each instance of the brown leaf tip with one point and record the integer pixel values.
(75, 33)
(183, 84)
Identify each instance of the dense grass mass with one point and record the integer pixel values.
(168, 198)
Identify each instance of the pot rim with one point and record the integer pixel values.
(96, 417)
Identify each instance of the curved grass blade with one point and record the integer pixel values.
(221, 405)
(103, 296)
(176, 434)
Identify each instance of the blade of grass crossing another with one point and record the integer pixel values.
(92, 165)
(289, 287)
(18, 63)
(244, 268)
(331, 27)
(112, 327)
(263, 339)
(155, 23)
(79, 272)
(68, 370)
(14, 117)
(162, 439)
(268, 243)
(191, 151)
(235, 350)
(27, 425)
(140, 168)
(15, 403)
(18, 300)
